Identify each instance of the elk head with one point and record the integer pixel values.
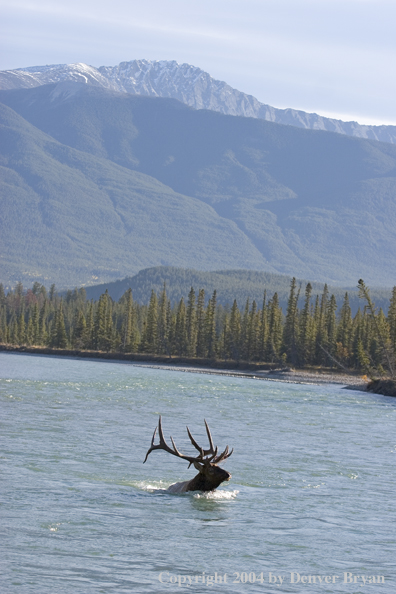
(209, 476)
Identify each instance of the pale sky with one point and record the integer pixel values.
(332, 57)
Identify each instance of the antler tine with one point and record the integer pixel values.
(196, 446)
(212, 451)
(175, 448)
(152, 445)
(164, 446)
(223, 456)
(209, 436)
(160, 432)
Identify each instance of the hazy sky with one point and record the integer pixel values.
(333, 57)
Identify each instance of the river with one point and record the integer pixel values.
(310, 506)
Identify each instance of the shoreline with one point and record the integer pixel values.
(267, 372)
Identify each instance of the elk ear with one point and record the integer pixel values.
(198, 466)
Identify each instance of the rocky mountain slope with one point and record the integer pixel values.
(100, 184)
(188, 84)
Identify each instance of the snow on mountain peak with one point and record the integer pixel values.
(190, 85)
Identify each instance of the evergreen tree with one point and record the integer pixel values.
(344, 331)
(244, 335)
(163, 326)
(191, 324)
(263, 331)
(291, 329)
(22, 326)
(331, 325)
(99, 328)
(233, 340)
(35, 316)
(252, 334)
(181, 340)
(307, 329)
(150, 335)
(58, 331)
(392, 320)
(201, 337)
(52, 292)
(43, 334)
(80, 331)
(14, 332)
(210, 327)
(381, 331)
(89, 344)
(275, 329)
(321, 327)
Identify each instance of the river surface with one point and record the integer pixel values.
(310, 506)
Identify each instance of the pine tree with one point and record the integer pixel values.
(191, 324)
(234, 332)
(392, 320)
(99, 328)
(150, 334)
(181, 340)
(291, 328)
(163, 346)
(201, 337)
(58, 331)
(331, 325)
(90, 326)
(252, 334)
(80, 331)
(43, 334)
(35, 337)
(110, 331)
(244, 338)
(307, 336)
(274, 329)
(14, 332)
(52, 292)
(321, 327)
(344, 330)
(263, 331)
(381, 331)
(22, 326)
(210, 327)
(126, 328)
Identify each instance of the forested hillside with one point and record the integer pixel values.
(71, 218)
(163, 184)
(228, 284)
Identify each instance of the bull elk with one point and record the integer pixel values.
(209, 476)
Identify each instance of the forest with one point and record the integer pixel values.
(312, 331)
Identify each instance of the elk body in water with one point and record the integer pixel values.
(209, 476)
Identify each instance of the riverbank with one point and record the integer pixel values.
(260, 371)
(386, 387)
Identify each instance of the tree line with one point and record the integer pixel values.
(312, 331)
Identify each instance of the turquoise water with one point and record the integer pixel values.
(312, 494)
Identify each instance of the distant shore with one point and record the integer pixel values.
(266, 371)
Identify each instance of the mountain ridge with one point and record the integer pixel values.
(260, 195)
(190, 85)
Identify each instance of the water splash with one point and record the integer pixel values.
(217, 495)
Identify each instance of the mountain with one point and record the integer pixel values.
(107, 183)
(71, 218)
(188, 84)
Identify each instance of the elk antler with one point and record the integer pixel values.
(211, 452)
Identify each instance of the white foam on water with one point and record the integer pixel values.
(217, 495)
